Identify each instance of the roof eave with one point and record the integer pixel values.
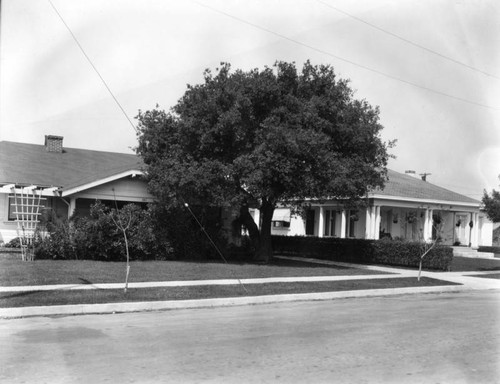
(425, 201)
(71, 191)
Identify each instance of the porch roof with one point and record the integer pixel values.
(408, 187)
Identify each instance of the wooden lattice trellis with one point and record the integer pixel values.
(27, 203)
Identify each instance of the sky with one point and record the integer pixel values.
(432, 66)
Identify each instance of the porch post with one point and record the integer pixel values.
(71, 207)
(428, 225)
(368, 223)
(475, 230)
(425, 230)
(321, 221)
(343, 222)
(376, 229)
(431, 222)
(454, 228)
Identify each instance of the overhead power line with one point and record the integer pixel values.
(322, 51)
(93, 66)
(407, 40)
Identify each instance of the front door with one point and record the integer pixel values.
(310, 220)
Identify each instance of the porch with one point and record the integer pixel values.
(460, 226)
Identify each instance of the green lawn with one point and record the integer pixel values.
(489, 276)
(464, 264)
(64, 297)
(14, 272)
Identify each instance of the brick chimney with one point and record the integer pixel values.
(53, 143)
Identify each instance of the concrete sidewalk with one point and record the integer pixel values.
(466, 281)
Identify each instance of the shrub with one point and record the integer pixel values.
(98, 238)
(14, 243)
(483, 248)
(188, 241)
(408, 253)
(385, 251)
(348, 250)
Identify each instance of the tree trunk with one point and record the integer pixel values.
(253, 229)
(265, 251)
(261, 240)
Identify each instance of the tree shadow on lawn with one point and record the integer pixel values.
(19, 294)
(274, 262)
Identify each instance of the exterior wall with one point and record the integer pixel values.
(8, 229)
(298, 224)
(129, 189)
(359, 227)
(485, 231)
(447, 227)
(125, 190)
(297, 227)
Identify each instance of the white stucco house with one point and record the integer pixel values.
(408, 208)
(68, 180)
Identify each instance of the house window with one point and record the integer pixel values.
(26, 200)
(279, 224)
(281, 218)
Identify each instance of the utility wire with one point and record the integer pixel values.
(407, 40)
(343, 59)
(211, 241)
(92, 64)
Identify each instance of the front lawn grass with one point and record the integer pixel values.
(488, 276)
(65, 297)
(14, 272)
(465, 264)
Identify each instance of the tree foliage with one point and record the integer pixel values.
(492, 205)
(256, 138)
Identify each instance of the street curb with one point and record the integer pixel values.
(109, 308)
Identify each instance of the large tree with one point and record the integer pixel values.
(492, 205)
(263, 137)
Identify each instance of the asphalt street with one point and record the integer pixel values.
(419, 338)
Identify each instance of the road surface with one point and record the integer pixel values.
(424, 338)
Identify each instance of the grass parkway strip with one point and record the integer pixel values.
(98, 296)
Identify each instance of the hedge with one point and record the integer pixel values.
(385, 251)
(483, 248)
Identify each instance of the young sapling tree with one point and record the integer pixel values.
(119, 222)
(428, 246)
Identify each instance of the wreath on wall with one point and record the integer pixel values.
(395, 219)
(437, 219)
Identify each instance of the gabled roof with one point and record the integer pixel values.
(408, 187)
(31, 164)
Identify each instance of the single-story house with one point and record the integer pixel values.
(407, 208)
(65, 180)
(69, 180)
